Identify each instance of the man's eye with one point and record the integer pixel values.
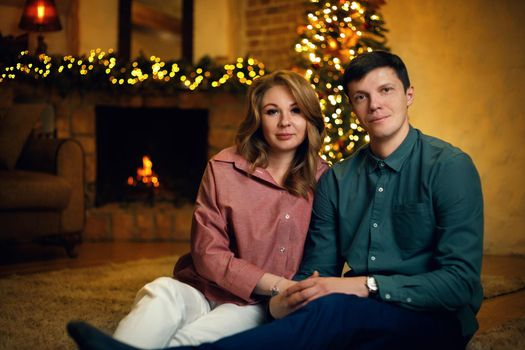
(359, 98)
(387, 89)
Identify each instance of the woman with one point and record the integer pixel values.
(249, 225)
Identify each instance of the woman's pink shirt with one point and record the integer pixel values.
(243, 226)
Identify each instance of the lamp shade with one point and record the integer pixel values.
(40, 16)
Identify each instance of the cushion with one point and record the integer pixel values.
(15, 128)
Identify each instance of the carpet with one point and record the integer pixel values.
(34, 309)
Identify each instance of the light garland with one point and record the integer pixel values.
(102, 69)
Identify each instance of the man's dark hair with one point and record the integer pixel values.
(366, 62)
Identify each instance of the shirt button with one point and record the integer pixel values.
(380, 189)
(409, 300)
(381, 164)
(373, 258)
(287, 216)
(282, 249)
(374, 224)
(388, 296)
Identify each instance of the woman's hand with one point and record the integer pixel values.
(281, 305)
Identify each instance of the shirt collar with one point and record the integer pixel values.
(230, 155)
(397, 158)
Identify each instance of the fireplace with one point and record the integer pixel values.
(172, 142)
(179, 130)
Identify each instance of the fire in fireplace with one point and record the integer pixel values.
(150, 154)
(145, 175)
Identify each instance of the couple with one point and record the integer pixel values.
(404, 212)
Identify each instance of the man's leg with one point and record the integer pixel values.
(348, 322)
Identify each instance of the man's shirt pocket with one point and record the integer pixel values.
(413, 228)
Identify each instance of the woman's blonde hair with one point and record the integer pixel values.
(251, 144)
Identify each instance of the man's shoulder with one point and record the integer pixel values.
(441, 154)
(351, 164)
(439, 148)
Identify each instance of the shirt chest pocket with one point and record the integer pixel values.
(413, 228)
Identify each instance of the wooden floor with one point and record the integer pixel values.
(27, 258)
(30, 258)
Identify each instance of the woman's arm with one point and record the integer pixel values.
(211, 251)
(272, 283)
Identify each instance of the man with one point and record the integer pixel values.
(405, 213)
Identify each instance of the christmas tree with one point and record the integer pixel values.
(336, 32)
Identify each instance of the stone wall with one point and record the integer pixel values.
(75, 117)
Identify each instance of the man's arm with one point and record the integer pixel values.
(321, 251)
(454, 277)
(321, 254)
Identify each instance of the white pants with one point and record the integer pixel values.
(167, 312)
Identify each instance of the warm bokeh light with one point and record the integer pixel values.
(132, 74)
(335, 32)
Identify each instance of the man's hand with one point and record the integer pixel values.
(312, 288)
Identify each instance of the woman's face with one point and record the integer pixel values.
(283, 122)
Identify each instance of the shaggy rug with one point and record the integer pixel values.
(34, 309)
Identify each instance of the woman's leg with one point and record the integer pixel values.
(224, 320)
(160, 309)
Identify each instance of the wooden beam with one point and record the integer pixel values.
(150, 18)
(187, 30)
(124, 30)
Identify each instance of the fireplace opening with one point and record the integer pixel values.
(150, 154)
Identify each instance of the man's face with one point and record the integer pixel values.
(381, 104)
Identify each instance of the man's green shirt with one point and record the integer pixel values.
(414, 221)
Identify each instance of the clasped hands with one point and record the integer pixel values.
(298, 294)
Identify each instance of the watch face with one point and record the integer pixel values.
(371, 284)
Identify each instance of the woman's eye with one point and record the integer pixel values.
(296, 110)
(271, 112)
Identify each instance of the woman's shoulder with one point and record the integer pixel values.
(229, 154)
(230, 157)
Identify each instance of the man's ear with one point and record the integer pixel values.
(347, 95)
(410, 94)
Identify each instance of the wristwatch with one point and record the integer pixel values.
(371, 285)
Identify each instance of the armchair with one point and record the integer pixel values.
(42, 187)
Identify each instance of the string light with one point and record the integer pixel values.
(336, 31)
(135, 73)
